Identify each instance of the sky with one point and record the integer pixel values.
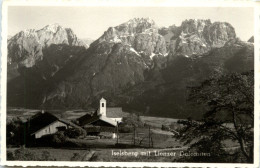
(92, 22)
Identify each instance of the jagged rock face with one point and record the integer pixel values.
(251, 40)
(116, 61)
(135, 65)
(141, 34)
(27, 86)
(34, 59)
(26, 47)
(196, 37)
(219, 33)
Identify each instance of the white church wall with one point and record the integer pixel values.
(102, 107)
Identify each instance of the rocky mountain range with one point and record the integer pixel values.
(136, 65)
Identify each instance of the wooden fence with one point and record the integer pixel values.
(139, 137)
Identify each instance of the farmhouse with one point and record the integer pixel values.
(44, 123)
(103, 116)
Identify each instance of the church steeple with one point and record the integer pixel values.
(102, 106)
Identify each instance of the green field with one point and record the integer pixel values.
(158, 121)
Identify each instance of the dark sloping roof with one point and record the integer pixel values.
(88, 119)
(85, 119)
(115, 112)
(40, 120)
(70, 124)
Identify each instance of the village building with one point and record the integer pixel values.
(104, 119)
(114, 113)
(45, 123)
(103, 116)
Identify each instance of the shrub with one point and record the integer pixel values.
(166, 128)
(73, 132)
(132, 120)
(58, 139)
(14, 132)
(125, 129)
(147, 125)
(175, 126)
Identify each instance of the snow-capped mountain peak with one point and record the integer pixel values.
(53, 27)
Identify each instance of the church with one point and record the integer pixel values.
(103, 116)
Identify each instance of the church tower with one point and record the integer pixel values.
(103, 106)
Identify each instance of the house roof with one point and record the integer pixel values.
(84, 119)
(40, 120)
(115, 112)
(70, 124)
(102, 118)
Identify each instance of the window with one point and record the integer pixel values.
(102, 104)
